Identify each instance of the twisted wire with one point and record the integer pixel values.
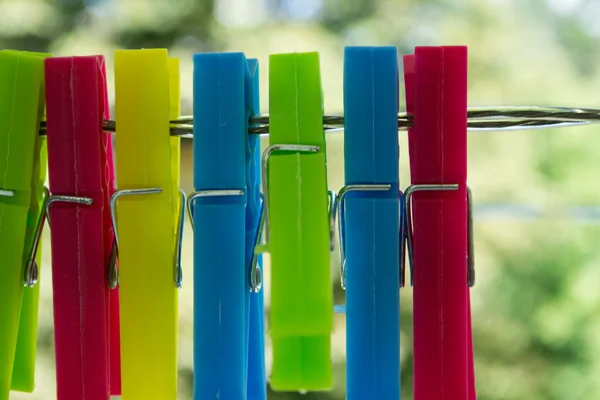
(478, 119)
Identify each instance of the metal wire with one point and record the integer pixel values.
(478, 119)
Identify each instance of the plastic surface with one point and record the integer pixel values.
(21, 157)
(372, 224)
(439, 156)
(146, 226)
(220, 274)
(114, 324)
(174, 113)
(81, 235)
(257, 382)
(23, 378)
(301, 317)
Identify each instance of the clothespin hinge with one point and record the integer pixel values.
(339, 210)
(31, 268)
(113, 274)
(408, 230)
(291, 148)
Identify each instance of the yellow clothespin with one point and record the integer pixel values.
(146, 224)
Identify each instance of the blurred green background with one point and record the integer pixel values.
(536, 305)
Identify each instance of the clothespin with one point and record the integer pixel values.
(143, 213)
(257, 381)
(179, 202)
(23, 378)
(81, 184)
(223, 103)
(440, 245)
(22, 171)
(110, 243)
(369, 223)
(298, 225)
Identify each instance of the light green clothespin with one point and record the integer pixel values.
(297, 224)
(22, 173)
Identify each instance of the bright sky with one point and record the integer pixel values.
(254, 12)
(565, 6)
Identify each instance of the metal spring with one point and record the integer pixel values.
(478, 119)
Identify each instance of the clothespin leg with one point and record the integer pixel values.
(257, 385)
(298, 226)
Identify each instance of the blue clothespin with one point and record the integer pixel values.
(369, 209)
(219, 215)
(257, 380)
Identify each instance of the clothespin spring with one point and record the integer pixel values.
(339, 209)
(255, 273)
(263, 225)
(31, 267)
(409, 230)
(113, 273)
(290, 148)
(179, 244)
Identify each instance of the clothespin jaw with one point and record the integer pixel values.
(81, 179)
(298, 228)
(257, 386)
(370, 225)
(439, 242)
(218, 211)
(23, 379)
(21, 158)
(143, 215)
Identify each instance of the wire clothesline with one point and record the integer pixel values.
(478, 119)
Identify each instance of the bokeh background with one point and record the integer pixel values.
(536, 305)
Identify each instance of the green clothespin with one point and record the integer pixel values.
(22, 173)
(297, 223)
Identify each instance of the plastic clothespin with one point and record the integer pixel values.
(23, 378)
(143, 212)
(369, 219)
(81, 184)
(297, 223)
(22, 172)
(178, 202)
(257, 381)
(222, 107)
(438, 149)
